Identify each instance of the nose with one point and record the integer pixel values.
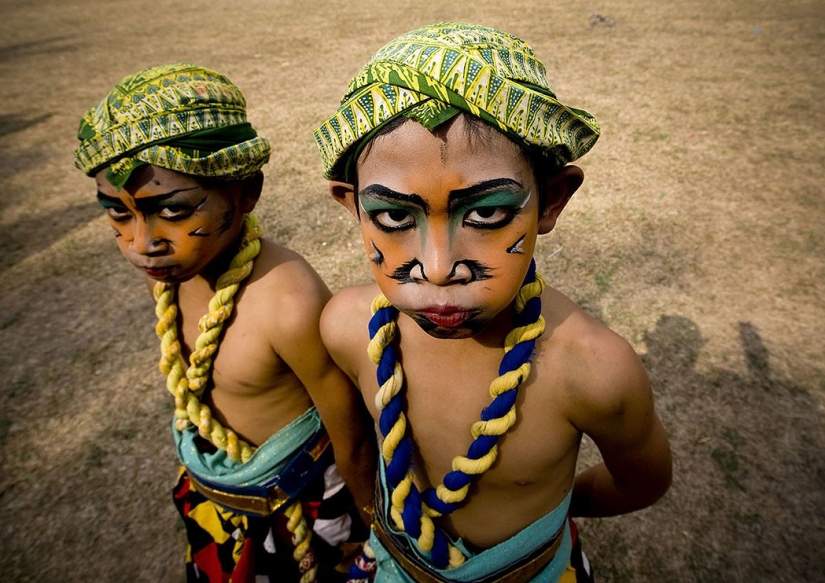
(441, 264)
(147, 241)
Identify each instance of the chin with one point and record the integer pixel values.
(451, 334)
(466, 330)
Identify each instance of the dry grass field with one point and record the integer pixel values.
(699, 235)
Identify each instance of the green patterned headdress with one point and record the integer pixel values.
(180, 117)
(437, 71)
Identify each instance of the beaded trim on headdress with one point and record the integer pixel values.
(412, 511)
(483, 71)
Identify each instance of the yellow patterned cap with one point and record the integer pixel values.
(181, 117)
(456, 66)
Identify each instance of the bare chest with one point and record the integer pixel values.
(242, 360)
(448, 394)
(250, 389)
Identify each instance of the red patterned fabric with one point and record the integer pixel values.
(224, 545)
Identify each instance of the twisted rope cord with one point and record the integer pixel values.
(187, 386)
(364, 565)
(301, 538)
(412, 511)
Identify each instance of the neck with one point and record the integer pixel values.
(221, 263)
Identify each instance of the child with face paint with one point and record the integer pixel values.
(178, 172)
(452, 153)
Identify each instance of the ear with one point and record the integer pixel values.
(251, 191)
(344, 193)
(556, 190)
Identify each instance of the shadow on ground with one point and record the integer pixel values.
(28, 236)
(48, 46)
(749, 478)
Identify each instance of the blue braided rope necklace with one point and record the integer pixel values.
(412, 511)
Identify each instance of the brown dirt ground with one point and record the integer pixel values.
(699, 235)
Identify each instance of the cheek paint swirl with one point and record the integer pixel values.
(376, 256)
(226, 221)
(518, 246)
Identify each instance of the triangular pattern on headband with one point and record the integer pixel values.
(482, 71)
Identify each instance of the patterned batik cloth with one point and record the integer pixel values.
(223, 545)
(223, 542)
(180, 117)
(436, 71)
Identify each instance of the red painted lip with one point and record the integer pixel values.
(446, 316)
(157, 272)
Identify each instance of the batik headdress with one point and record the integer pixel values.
(437, 71)
(180, 117)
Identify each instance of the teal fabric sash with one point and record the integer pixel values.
(491, 560)
(264, 464)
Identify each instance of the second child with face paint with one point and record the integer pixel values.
(178, 172)
(452, 153)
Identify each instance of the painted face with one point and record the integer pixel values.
(449, 220)
(170, 226)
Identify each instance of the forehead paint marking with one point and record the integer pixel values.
(376, 256)
(517, 247)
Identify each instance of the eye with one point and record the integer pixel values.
(115, 212)
(175, 212)
(392, 220)
(489, 217)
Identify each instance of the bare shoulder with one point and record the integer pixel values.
(349, 309)
(344, 323)
(284, 293)
(288, 279)
(601, 371)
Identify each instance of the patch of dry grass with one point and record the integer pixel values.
(698, 235)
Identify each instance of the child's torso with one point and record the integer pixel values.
(252, 390)
(446, 387)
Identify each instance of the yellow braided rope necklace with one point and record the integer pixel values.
(188, 386)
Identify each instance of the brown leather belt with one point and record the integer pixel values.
(275, 495)
(260, 505)
(518, 574)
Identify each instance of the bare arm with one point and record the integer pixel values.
(618, 415)
(336, 398)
